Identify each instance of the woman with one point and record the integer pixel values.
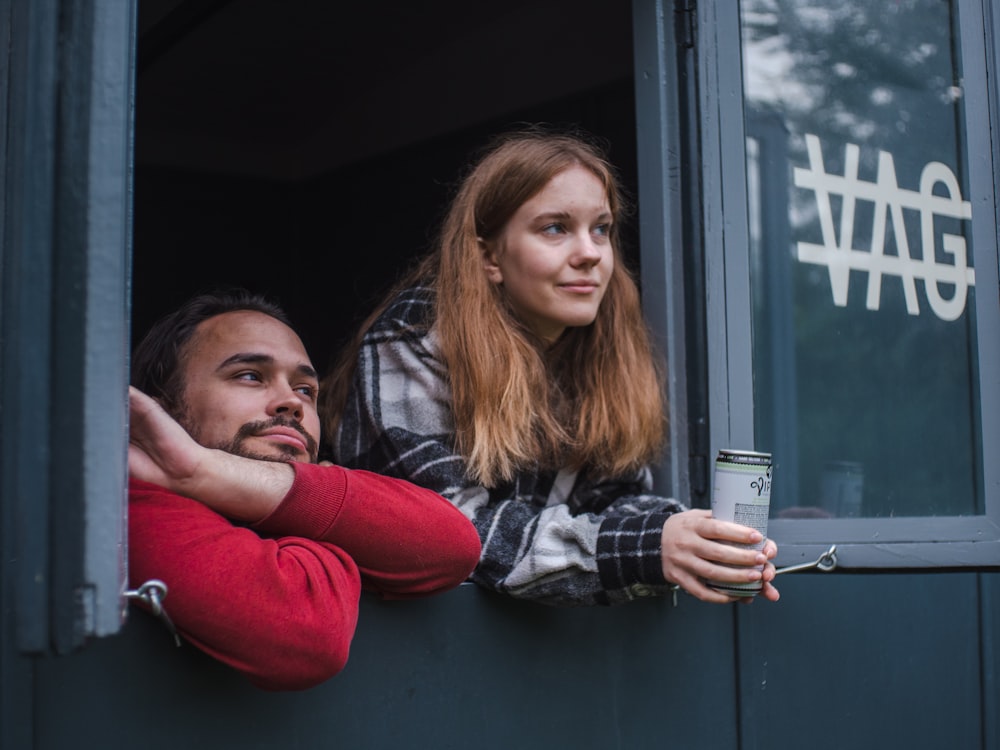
(512, 373)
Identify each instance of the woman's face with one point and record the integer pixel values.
(554, 256)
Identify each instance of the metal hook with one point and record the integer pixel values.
(153, 592)
(826, 562)
(674, 588)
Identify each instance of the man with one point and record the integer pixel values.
(264, 552)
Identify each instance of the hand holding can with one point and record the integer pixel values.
(741, 493)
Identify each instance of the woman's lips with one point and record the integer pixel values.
(580, 287)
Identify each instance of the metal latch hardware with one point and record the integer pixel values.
(152, 593)
(826, 562)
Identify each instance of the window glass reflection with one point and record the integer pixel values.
(862, 266)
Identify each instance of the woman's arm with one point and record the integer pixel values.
(558, 539)
(398, 422)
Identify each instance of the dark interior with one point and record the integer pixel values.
(307, 149)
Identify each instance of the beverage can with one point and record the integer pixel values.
(741, 493)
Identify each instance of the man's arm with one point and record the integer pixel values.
(406, 540)
(280, 611)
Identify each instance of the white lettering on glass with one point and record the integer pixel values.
(890, 200)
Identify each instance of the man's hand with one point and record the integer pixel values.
(693, 548)
(162, 452)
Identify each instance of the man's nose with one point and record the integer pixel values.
(287, 402)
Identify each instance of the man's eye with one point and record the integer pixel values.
(309, 391)
(249, 376)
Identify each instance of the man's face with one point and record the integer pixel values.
(249, 388)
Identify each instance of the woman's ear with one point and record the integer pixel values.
(490, 265)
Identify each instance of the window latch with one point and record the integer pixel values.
(826, 562)
(152, 593)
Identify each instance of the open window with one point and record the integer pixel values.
(850, 205)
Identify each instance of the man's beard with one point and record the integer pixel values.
(237, 446)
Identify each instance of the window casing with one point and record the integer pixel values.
(889, 456)
(65, 254)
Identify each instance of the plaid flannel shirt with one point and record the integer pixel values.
(555, 537)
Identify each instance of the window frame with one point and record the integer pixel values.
(65, 263)
(659, 143)
(723, 214)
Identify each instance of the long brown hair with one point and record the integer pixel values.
(594, 399)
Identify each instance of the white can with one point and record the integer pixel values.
(741, 493)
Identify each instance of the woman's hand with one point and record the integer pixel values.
(694, 551)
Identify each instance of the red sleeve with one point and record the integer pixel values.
(406, 540)
(282, 611)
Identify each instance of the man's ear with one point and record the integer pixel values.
(490, 265)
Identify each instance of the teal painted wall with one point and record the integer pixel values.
(844, 660)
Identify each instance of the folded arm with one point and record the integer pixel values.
(406, 540)
(281, 611)
(556, 539)
(541, 542)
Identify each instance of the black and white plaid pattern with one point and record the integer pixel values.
(557, 538)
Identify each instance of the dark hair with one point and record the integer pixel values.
(156, 362)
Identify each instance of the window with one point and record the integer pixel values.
(851, 271)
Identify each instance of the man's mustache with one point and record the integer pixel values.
(255, 429)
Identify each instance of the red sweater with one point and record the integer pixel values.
(278, 601)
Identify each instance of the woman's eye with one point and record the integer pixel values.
(552, 229)
(602, 230)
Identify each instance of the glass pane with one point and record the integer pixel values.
(862, 272)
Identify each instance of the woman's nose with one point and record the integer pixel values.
(587, 252)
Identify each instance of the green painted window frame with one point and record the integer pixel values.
(970, 541)
(65, 266)
(694, 235)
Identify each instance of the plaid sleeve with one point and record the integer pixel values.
(628, 556)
